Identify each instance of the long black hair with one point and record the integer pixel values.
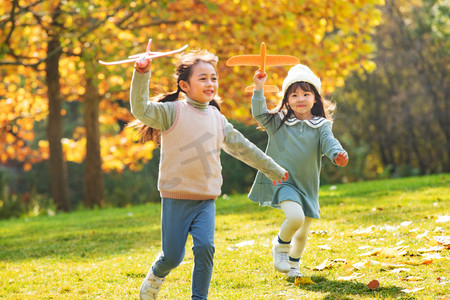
(183, 71)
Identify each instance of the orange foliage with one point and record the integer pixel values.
(331, 37)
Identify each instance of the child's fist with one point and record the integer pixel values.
(285, 177)
(143, 66)
(341, 159)
(259, 80)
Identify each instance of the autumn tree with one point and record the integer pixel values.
(332, 37)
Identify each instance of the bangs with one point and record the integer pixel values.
(306, 86)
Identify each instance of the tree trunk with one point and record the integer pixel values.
(58, 167)
(94, 186)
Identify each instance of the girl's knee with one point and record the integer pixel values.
(296, 220)
(204, 250)
(172, 261)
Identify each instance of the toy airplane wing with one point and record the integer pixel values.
(255, 60)
(266, 88)
(143, 56)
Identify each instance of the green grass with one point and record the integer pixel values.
(105, 254)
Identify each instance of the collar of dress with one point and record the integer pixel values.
(315, 122)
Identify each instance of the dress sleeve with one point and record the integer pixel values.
(261, 114)
(156, 115)
(329, 145)
(241, 148)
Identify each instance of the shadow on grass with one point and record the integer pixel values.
(80, 245)
(346, 290)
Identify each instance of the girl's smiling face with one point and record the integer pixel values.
(203, 83)
(301, 103)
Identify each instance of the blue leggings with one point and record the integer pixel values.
(178, 219)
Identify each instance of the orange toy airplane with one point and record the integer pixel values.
(262, 60)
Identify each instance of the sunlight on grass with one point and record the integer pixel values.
(380, 230)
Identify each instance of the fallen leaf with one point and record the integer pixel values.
(245, 243)
(324, 247)
(412, 278)
(443, 240)
(323, 265)
(364, 231)
(420, 236)
(443, 219)
(393, 252)
(439, 229)
(371, 253)
(399, 243)
(374, 262)
(392, 265)
(411, 291)
(303, 280)
(389, 228)
(341, 260)
(373, 285)
(434, 256)
(364, 247)
(431, 249)
(351, 277)
(398, 270)
(360, 265)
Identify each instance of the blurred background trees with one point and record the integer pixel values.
(63, 116)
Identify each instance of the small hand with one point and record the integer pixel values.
(143, 65)
(285, 177)
(341, 159)
(259, 80)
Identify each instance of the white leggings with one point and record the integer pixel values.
(295, 227)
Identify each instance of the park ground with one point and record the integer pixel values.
(386, 239)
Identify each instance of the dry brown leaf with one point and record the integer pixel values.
(373, 285)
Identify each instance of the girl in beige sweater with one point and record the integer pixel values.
(192, 132)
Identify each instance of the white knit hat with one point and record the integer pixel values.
(300, 73)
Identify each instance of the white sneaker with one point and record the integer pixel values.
(294, 271)
(150, 287)
(280, 254)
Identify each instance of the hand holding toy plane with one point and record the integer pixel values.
(142, 57)
(262, 60)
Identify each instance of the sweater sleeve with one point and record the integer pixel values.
(330, 146)
(156, 115)
(241, 148)
(261, 113)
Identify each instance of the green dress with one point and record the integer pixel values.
(298, 146)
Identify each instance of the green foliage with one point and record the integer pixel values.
(106, 253)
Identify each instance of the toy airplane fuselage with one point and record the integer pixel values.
(142, 57)
(262, 60)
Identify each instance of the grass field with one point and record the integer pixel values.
(393, 231)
